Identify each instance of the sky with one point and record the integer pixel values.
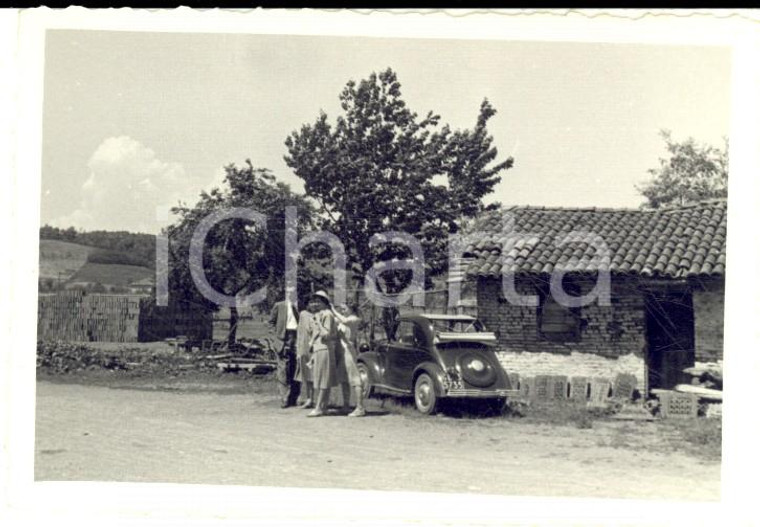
(135, 121)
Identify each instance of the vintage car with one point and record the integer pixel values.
(436, 357)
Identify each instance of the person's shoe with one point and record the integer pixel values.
(315, 413)
(284, 405)
(308, 403)
(358, 412)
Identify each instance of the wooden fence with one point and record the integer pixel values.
(78, 316)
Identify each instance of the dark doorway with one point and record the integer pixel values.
(670, 336)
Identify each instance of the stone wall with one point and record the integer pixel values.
(612, 338)
(709, 302)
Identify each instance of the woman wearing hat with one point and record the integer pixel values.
(323, 337)
(348, 373)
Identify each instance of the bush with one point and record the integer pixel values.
(104, 256)
(66, 357)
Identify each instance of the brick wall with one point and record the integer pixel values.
(612, 338)
(708, 322)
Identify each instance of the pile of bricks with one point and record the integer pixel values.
(595, 391)
(76, 316)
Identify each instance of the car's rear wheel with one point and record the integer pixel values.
(364, 376)
(425, 398)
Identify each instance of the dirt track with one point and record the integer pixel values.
(103, 434)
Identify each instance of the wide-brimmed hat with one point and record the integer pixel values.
(321, 295)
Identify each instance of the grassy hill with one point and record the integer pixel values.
(111, 274)
(61, 260)
(68, 262)
(116, 246)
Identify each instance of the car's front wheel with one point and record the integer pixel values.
(425, 398)
(364, 376)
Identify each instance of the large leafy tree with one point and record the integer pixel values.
(691, 172)
(382, 167)
(239, 257)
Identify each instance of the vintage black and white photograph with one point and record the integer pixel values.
(383, 263)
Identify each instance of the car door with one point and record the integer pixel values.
(407, 349)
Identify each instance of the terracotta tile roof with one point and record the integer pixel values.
(667, 243)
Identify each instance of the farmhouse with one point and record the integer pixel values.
(143, 286)
(667, 271)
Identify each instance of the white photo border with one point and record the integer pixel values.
(84, 502)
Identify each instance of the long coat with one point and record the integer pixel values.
(323, 336)
(278, 318)
(303, 350)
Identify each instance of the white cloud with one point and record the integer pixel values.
(127, 184)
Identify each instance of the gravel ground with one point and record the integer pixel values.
(189, 432)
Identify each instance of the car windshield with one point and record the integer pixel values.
(457, 326)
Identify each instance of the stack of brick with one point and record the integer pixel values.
(596, 391)
(77, 316)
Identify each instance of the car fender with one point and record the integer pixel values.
(436, 372)
(374, 365)
(501, 372)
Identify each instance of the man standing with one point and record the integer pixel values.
(284, 322)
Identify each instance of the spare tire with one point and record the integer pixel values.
(476, 369)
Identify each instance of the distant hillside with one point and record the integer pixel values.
(110, 274)
(66, 264)
(104, 256)
(140, 248)
(59, 260)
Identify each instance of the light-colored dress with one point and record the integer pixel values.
(323, 336)
(303, 352)
(348, 336)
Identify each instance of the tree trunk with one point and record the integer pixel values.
(232, 335)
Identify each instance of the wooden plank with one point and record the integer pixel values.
(699, 391)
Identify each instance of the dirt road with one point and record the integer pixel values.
(104, 434)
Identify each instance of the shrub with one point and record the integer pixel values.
(65, 357)
(104, 256)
